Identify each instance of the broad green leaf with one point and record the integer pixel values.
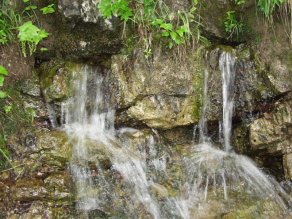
(25, 1)
(170, 44)
(2, 94)
(166, 26)
(232, 25)
(3, 70)
(193, 9)
(165, 33)
(173, 35)
(47, 10)
(184, 29)
(7, 109)
(180, 32)
(31, 7)
(1, 80)
(159, 21)
(3, 40)
(177, 40)
(240, 2)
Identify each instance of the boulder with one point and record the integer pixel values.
(31, 189)
(134, 77)
(273, 131)
(287, 163)
(50, 148)
(278, 77)
(163, 112)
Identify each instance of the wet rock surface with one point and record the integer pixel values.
(133, 78)
(163, 112)
(162, 92)
(273, 134)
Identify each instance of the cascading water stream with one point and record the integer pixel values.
(120, 178)
(90, 128)
(224, 169)
(203, 128)
(226, 66)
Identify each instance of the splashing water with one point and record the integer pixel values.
(215, 173)
(92, 132)
(123, 173)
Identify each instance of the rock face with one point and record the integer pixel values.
(273, 133)
(249, 86)
(43, 186)
(163, 92)
(278, 77)
(88, 12)
(133, 77)
(159, 91)
(164, 112)
(55, 79)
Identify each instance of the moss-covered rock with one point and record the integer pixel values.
(287, 163)
(39, 209)
(51, 148)
(163, 112)
(59, 188)
(271, 130)
(134, 77)
(55, 79)
(278, 77)
(26, 190)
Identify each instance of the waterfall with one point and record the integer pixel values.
(203, 128)
(82, 128)
(124, 173)
(91, 129)
(223, 167)
(226, 66)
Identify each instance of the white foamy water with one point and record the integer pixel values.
(226, 66)
(125, 174)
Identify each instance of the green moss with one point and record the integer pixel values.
(56, 76)
(12, 121)
(198, 87)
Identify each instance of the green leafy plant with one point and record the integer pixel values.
(3, 94)
(29, 8)
(32, 113)
(30, 35)
(239, 2)
(9, 19)
(153, 17)
(2, 72)
(268, 6)
(48, 10)
(284, 7)
(147, 53)
(44, 49)
(5, 154)
(7, 109)
(108, 7)
(232, 26)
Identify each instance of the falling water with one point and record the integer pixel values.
(123, 173)
(203, 128)
(226, 66)
(83, 128)
(91, 129)
(224, 173)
